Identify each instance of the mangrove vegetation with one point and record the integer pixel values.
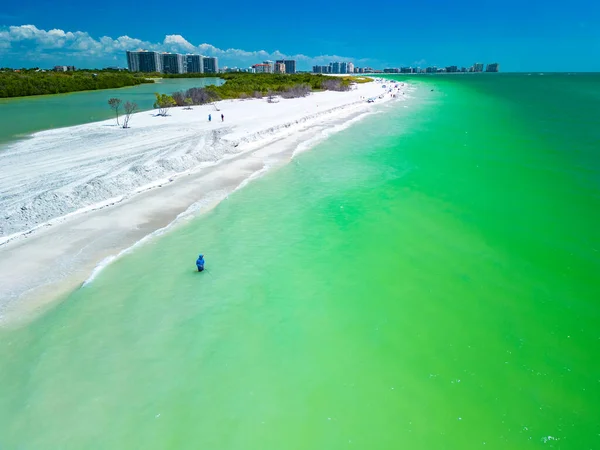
(31, 82)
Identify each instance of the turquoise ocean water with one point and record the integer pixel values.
(426, 279)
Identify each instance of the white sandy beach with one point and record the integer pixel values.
(72, 197)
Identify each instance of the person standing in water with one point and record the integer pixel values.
(222, 118)
(200, 263)
(209, 118)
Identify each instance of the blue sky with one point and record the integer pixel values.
(523, 35)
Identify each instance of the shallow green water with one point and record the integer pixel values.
(22, 116)
(426, 279)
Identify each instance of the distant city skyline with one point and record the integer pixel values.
(531, 36)
(144, 60)
(29, 46)
(475, 68)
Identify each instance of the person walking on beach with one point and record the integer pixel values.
(222, 118)
(209, 118)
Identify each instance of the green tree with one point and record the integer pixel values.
(28, 82)
(163, 103)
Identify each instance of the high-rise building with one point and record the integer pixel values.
(172, 63)
(343, 67)
(452, 69)
(478, 67)
(211, 64)
(279, 67)
(262, 68)
(133, 61)
(322, 69)
(391, 70)
(335, 67)
(493, 67)
(290, 65)
(271, 64)
(194, 64)
(150, 62)
(350, 67)
(144, 61)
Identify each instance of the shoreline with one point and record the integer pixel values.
(88, 107)
(85, 241)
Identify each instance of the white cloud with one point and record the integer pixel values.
(79, 44)
(4, 42)
(178, 42)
